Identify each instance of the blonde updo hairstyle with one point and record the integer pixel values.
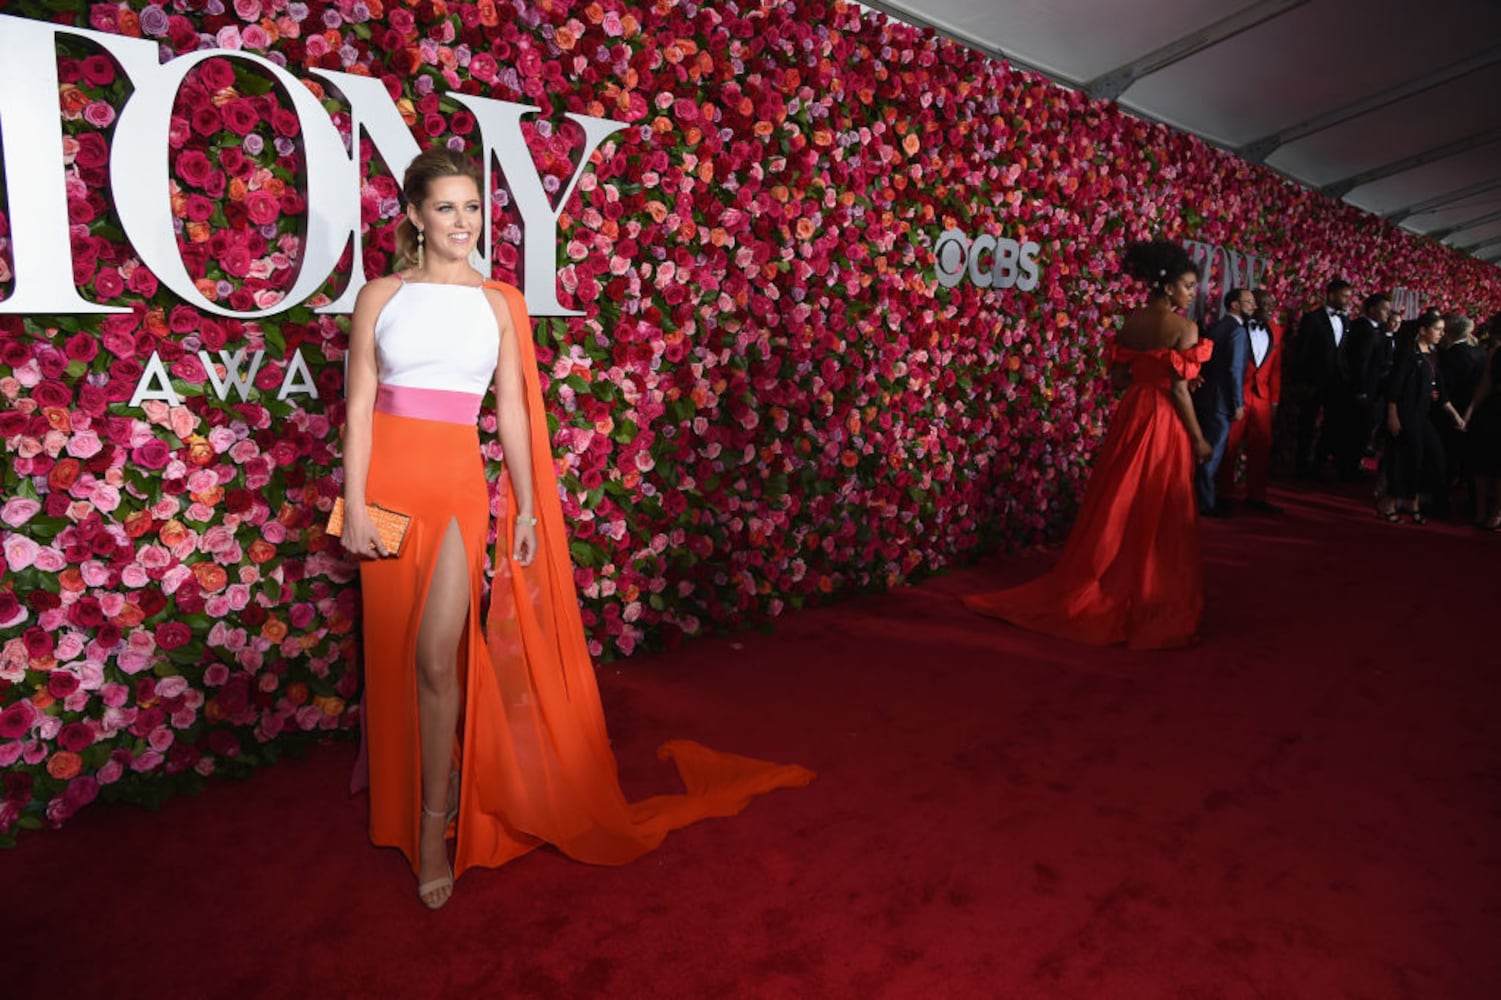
(431, 165)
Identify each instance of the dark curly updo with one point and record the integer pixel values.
(1159, 263)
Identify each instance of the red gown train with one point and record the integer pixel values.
(1130, 571)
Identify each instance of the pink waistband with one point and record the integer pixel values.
(443, 405)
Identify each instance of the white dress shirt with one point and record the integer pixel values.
(1338, 322)
(1261, 341)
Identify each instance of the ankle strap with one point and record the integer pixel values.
(432, 812)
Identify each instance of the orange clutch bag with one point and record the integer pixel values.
(391, 525)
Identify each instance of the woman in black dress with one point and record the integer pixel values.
(1483, 418)
(1414, 453)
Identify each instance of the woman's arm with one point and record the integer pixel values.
(1184, 404)
(1485, 387)
(361, 380)
(514, 429)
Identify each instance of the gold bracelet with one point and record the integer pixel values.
(526, 521)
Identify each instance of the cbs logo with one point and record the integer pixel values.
(990, 262)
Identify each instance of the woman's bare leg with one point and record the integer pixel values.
(438, 637)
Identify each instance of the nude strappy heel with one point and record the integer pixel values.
(443, 882)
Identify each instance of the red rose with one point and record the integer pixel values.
(236, 262)
(285, 122)
(10, 606)
(108, 283)
(93, 154)
(151, 602)
(193, 167)
(43, 600)
(232, 159)
(216, 74)
(81, 347)
(75, 736)
(206, 121)
(85, 613)
(15, 720)
(262, 207)
(51, 394)
(60, 684)
(173, 635)
(153, 454)
(240, 116)
(109, 635)
(38, 642)
(98, 71)
(142, 282)
(18, 786)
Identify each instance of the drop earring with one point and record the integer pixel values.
(421, 241)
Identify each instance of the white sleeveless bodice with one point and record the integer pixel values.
(432, 336)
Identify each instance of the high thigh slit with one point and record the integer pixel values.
(533, 754)
(448, 492)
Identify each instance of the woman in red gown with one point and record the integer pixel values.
(1130, 571)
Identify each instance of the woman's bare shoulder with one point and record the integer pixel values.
(1152, 329)
(377, 290)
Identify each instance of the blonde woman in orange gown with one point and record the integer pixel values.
(488, 736)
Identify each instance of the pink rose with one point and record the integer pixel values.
(18, 510)
(20, 551)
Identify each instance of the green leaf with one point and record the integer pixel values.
(584, 554)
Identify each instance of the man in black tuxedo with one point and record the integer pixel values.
(1371, 351)
(1220, 399)
(1325, 375)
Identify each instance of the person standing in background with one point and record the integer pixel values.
(1323, 376)
(1483, 428)
(1461, 363)
(1369, 349)
(1263, 391)
(1414, 456)
(1219, 400)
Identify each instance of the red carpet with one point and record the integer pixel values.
(1306, 806)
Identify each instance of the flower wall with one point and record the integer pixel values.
(769, 398)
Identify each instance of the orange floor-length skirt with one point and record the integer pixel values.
(534, 756)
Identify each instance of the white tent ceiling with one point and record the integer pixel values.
(1392, 105)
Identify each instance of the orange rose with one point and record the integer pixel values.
(173, 533)
(155, 322)
(71, 580)
(130, 616)
(64, 474)
(73, 100)
(210, 497)
(137, 523)
(212, 711)
(64, 764)
(210, 576)
(297, 693)
(261, 551)
(200, 452)
(331, 706)
(275, 629)
(57, 418)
